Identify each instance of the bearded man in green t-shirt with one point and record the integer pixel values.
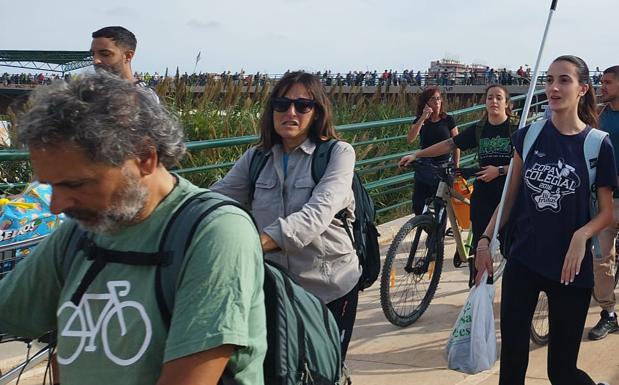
(105, 147)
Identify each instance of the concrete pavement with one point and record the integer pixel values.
(381, 353)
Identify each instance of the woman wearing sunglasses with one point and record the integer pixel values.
(432, 125)
(295, 216)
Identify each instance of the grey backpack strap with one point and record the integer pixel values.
(175, 241)
(592, 145)
(321, 157)
(530, 137)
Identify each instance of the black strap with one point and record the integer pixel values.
(258, 161)
(321, 158)
(176, 239)
(344, 218)
(102, 257)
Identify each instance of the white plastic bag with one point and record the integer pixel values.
(472, 345)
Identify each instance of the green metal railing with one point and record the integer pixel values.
(401, 182)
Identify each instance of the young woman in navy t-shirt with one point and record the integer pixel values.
(548, 202)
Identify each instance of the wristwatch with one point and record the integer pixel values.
(501, 170)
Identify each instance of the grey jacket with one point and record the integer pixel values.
(300, 215)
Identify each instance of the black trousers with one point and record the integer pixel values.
(567, 308)
(421, 193)
(344, 310)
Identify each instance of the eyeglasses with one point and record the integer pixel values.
(436, 98)
(301, 105)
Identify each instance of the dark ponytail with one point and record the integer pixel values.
(587, 106)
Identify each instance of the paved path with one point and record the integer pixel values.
(383, 354)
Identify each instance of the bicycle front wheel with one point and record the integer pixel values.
(539, 324)
(411, 270)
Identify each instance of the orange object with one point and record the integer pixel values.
(462, 210)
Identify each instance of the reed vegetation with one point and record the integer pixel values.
(223, 110)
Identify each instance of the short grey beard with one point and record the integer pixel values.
(128, 205)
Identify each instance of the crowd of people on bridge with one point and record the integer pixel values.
(108, 147)
(445, 77)
(30, 79)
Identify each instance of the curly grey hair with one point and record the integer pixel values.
(109, 118)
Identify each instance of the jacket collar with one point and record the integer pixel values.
(307, 147)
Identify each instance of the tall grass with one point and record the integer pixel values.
(221, 110)
(224, 109)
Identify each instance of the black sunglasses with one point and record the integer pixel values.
(301, 105)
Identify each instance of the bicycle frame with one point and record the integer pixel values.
(441, 210)
(443, 205)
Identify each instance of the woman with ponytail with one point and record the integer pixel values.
(491, 136)
(548, 201)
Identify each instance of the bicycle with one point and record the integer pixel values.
(414, 261)
(539, 325)
(44, 346)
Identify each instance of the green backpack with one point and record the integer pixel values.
(302, 335)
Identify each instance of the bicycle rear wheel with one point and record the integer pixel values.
(539, 324)
(411, 271)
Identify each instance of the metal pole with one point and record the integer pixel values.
(494, 249)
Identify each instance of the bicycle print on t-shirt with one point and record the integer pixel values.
(551, 182)
(84, 329)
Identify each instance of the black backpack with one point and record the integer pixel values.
(364, 234)
(303, 343)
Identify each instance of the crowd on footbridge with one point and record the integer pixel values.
(468, 77)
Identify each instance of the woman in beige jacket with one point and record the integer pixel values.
(296, 216)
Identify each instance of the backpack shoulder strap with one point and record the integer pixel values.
(321, 157)
(531, 136)
(73, 246)
(513, 126)
(258, 160)
(176, 239)
(479, 128)
(593, 143)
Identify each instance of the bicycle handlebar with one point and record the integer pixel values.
(444, 170)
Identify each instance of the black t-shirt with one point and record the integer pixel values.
(494, 149)
(553, 200)
(435, 132)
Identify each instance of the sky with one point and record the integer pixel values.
(273, 36)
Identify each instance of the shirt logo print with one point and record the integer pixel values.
(83, 330)
(550, 183)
